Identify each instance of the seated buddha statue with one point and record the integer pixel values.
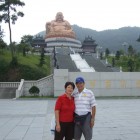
(59, 27)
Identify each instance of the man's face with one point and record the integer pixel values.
(80, 86)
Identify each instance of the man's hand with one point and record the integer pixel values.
(92, 123)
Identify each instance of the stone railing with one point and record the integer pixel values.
(45, 85)
(9, 84)
(19, 91)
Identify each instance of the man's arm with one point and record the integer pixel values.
(93, 116)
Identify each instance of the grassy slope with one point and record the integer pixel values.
(28, 66)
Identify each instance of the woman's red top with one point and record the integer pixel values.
(66, 108)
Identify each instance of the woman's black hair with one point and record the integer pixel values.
(70, 83)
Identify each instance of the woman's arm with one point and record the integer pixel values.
(58, 128)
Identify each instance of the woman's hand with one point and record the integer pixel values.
(58, 128)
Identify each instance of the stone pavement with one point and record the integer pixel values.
(116, 119)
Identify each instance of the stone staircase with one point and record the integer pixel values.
(96, 63)
(65, 62)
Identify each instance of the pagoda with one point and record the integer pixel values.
(89, 45)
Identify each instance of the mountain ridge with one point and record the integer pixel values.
(112, 39)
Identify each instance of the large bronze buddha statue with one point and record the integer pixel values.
(59, 27)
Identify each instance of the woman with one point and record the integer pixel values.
(64, 114)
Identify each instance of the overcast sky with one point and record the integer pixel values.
(95, 14)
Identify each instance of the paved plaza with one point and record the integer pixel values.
(116, 119)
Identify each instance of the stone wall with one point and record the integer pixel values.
(101, 83)
(45, 85)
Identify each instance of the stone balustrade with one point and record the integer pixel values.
(9, 84)
(45, 85)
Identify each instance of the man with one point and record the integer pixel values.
(85, 109)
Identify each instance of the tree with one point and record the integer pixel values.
(2, 44)
(117, 55)
(138, 39)
(42, 57)
(25, 43)
(14, 62)
(121, 52)
(130, 50)
(131, 65)
(27, 39)
(113, 62)
(107, 52)
(24, 48)
(10, 15)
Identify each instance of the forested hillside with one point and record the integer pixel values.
(112, 39)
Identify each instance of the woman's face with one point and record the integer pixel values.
(69, 89)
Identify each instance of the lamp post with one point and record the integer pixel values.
(106, 61)
(1, 32)
(120, 69)
(97, 54)
(98, 50)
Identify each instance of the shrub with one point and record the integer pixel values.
(34, 91)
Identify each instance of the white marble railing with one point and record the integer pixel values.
(45, 85)
(20, 89)
(9, 84)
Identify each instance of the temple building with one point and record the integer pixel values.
(38, 41)
(89, 45)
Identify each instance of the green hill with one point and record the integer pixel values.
(28, 67)
(111, 38)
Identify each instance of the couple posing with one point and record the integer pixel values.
(75, 112)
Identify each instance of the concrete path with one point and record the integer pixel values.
(116, 119)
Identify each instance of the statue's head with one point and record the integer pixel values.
(59, 16)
